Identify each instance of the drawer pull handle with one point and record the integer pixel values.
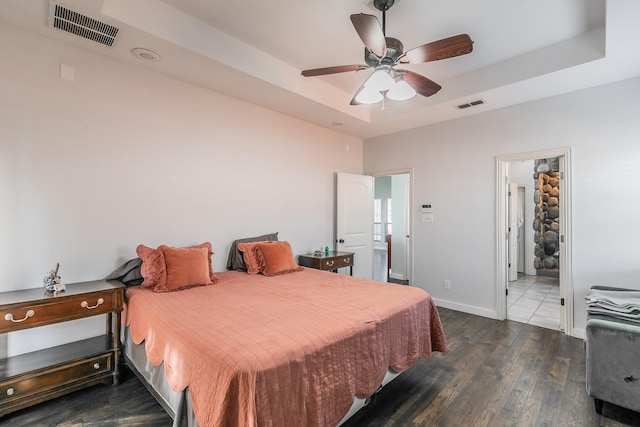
(10, 391)
(96, 366)
(346, 260)
(329, 263)
(28, 314)
(86, 305)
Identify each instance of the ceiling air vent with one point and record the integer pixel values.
(470, 104)
(76, 23)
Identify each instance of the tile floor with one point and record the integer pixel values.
(535, 300)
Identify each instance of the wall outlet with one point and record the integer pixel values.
(447, 284)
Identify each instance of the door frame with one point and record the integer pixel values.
(409, 212)
(566, 268)
(512, 265)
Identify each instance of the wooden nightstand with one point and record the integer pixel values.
(331, 262)
(31, 378)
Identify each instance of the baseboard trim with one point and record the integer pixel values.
(491, 314)
(579, 333)
(478, 311)
(396, 276)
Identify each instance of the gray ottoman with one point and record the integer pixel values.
(613, 361)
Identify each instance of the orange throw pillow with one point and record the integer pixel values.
(152, 266)
(207, 245)
(275, 258)
(185, 268)
(250, 258)
(153, 269)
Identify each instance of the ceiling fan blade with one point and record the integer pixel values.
(421, 84)
(370, 32)
(332, 70)
(441, 49)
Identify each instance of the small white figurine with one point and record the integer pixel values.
(52, 281)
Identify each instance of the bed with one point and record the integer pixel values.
(303, 348)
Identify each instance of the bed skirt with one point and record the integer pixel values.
(178, 405)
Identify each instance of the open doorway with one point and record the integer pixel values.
(533, 213)
(392, 225)
(538, 229)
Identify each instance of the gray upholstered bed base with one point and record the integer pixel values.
(178, 405)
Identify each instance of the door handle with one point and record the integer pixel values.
(341, 241)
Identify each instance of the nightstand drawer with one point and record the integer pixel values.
(336, 262)
(328, 262)
(43, 380)
(45, 312)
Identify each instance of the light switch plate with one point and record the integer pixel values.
(66, 72)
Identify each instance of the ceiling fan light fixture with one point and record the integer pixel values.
(380, 81)
(401, 91)
(384, 53)
(368, 95)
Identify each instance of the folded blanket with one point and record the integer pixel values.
(615, 303)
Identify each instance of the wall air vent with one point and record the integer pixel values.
(76, 23)
(470, 104)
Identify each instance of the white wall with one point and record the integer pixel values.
(121, 156)
(455, 168)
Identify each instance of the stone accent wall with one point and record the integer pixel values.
(546, 221)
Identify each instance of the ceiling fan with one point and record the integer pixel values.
(384, 54)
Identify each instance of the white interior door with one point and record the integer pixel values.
(514, 214)
(354, 220)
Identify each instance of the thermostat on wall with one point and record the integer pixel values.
(427, 213)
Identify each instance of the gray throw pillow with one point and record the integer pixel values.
(235, 260)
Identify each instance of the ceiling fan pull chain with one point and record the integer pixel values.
(384, 22)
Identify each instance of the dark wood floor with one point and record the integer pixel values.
(496, 373)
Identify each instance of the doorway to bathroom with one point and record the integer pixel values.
(534, 239)
(533, 260)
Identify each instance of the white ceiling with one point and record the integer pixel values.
(254, 50)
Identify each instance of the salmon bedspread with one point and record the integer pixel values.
(290, 350)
